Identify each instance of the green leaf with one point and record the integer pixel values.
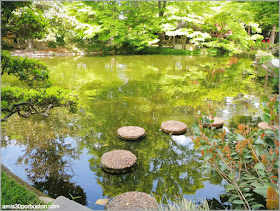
(229, 188)
(233, 197)
(259, 141)
(265, 117)
(238, 202)
(244, 184)
(258, 149)
(248, 194)
(257, 185)
(259, 166)
(257, 206)
(207, 157)
(239, 137)
(261, 191)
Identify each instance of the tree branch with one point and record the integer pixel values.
(16, 109)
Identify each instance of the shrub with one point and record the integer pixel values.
(246, 158)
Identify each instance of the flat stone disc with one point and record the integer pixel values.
(266, 126)
(174, 127)
(133, 201)
(118, 161)
(131, 133)
(218, 122)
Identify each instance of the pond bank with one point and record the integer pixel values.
(42, 197)
(53, 53)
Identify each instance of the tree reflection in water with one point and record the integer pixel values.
(48, 155)
(163, 166)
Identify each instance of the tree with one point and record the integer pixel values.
(26, 22)
(267, 14)
(161, 8)
(7, 8)
(36, 100)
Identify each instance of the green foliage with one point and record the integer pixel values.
(38, 100)
(136, 25)
(7, 7)
(166, 51)
(14, 193)
(246, 159)
(264, 68)
(31, 71)
(27, 22)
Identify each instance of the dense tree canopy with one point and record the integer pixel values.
(136, 24)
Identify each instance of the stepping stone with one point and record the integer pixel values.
(131, 133)
(118, 161)
(218, 122)
(133, 201)
(174, 127)
(266, 126)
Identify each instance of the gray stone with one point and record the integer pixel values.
(174, 127)
(266, 126)
(133, 201)
(66, 204)
(274, 63)
(118, 161)
(131, 133)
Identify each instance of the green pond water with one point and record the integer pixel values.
(60, 155)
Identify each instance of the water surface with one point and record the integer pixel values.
(60, 155)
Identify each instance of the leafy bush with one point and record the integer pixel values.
(32, 71)
(246, 158)
(38, 100)
(52, 44)
(167, 51)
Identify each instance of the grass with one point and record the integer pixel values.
(15, 193)
(183, 204)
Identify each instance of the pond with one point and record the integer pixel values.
(60, 155)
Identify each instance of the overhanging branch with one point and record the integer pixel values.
(18, 108)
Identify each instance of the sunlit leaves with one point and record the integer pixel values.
(31, 71)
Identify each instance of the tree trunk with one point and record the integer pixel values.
(174, 41)
(184, 43)
(160, 14)
(112, 37)
(272, 35)
(249, 31)
(30, 44)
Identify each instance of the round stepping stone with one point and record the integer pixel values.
(133, 201)
(131, 133)
(118, 161)
(218, 122)
(174, 127)
(266, 126)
